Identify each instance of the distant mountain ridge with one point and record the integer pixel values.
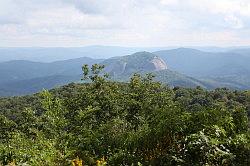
(24, 77)
(34, 85)
(137, 62)
(122, 68)
(218, 69)
(199, 63)
(176, 67)
(51, 54)
(19, 70)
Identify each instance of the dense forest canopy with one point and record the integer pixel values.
(141, 122)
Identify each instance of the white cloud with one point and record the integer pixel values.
(123, 22)
(234, 21)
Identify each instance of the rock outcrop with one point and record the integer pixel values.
(159, 63)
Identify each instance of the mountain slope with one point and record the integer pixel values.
(122, 68)
(208, 70)
(245, 51)
(34, 85)
(218, 69)
(24, 77)
(24, 70)
(137, 62)
(198, 63)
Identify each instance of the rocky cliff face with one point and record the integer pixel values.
(159, 64)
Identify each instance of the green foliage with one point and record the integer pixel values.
(141, 122)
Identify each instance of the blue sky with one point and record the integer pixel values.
(124, 22)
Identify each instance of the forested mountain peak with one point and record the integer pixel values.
(137, 62)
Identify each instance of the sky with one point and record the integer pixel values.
(161, 23)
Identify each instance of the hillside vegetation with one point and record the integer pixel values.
(26, 77)
(141, 122)
(184, 67)
(216, 69)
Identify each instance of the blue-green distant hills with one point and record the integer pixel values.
(176, 67)
(217, 69)
(51, 54)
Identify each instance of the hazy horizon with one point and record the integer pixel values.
(97, 45)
